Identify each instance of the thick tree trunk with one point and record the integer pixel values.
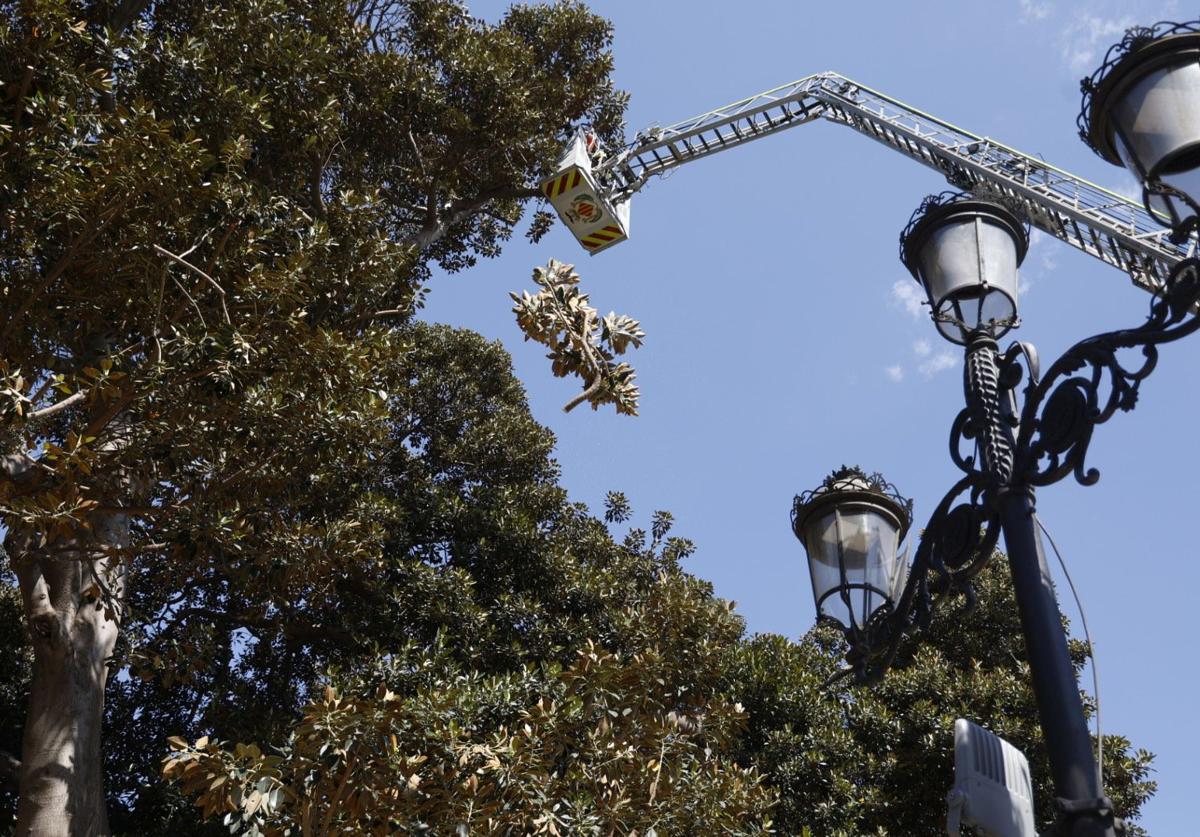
(72, 604)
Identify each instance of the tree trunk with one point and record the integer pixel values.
(72, 603)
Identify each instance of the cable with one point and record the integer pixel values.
(1091, 649)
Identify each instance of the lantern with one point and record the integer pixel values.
(1142, 110)
(851, 527)
(965, 253)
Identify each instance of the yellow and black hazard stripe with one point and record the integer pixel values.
(601, 237)
(556, 186)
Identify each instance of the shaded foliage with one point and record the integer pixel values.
(14, 683)
(879, 760)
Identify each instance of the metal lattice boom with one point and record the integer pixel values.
(1101, 223)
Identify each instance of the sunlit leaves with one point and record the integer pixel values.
(581, 343)
(610, 744)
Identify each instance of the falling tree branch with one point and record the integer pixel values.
(586, 395)
(581, 343)
(589, 355)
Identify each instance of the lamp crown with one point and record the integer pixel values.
(851, 479)
(944, 203)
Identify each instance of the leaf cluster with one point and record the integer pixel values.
(581, 342)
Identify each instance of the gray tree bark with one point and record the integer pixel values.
(72, 594)
(74, 629)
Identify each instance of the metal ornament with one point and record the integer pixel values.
(1010, 439)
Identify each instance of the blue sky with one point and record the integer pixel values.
(782, 338)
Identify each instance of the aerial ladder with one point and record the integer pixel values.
(591, 191)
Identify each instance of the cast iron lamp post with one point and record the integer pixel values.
(1020, 429)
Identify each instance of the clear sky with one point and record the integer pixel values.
(780, 344)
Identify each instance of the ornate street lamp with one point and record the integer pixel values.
(851, 527)
(1020, 429)
(965, 253)
(1141, 109)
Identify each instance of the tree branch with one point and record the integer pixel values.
(417, 150)
(19, 100)
(316, 175)
(180, 260)
(290, 625)
(591, 390)
(386, 314)
(69, 401)
(10, 768)
(462, 209)
(60, 267)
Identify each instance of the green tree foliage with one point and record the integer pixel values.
(853, 761)
(212, 215)
(486, 570)
(838, 760)
(14, 685)
(605, 746)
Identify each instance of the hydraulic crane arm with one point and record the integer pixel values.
(1103, 224)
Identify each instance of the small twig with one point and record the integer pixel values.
(316, 175)
(219, 250)
(47, 382)
(386, 314)
(327, 821)
(162, 287)
(19, 100)
(111, 600)
(417, 150)
(199, 313)
(662, 750)
(185, 263)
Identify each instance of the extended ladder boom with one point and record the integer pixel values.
(1103, 224)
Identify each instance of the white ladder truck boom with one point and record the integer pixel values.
(591, 192)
